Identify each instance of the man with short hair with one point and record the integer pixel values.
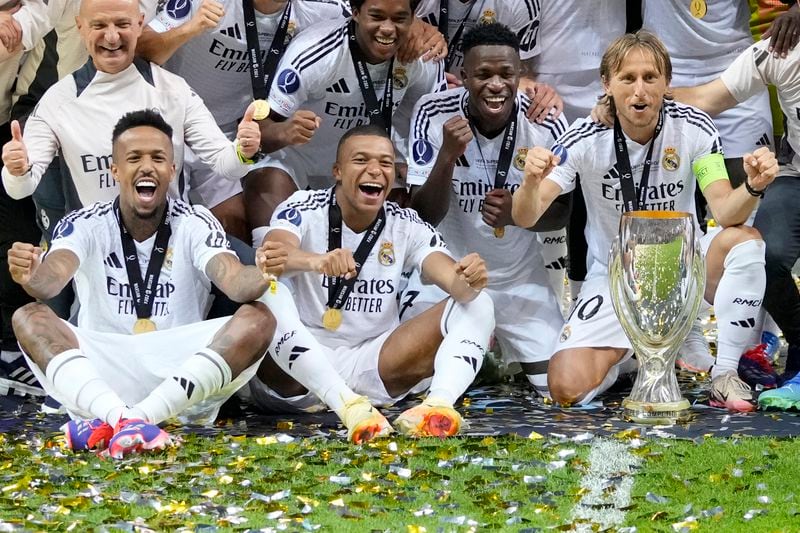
(148, 264)
(346, 249)
(468, 149)
(650, 159)
(333, 77)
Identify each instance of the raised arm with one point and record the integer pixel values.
(712, 97)
(534, 196)
(42, 280)
(158, 47)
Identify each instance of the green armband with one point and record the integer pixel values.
(709, 169)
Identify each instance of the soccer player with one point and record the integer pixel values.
(77, 114)
(467, 150)
(777, 218)
(333, 77)
(148, 264)
(653, 158)
(346, 250)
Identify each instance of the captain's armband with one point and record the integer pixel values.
(708, 169)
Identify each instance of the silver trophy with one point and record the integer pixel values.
(657, 277)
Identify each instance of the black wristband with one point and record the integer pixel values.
(751, 191)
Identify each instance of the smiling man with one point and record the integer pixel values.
(468, 149)
(346, 250)
(142, 265)
(334, 77)
(653, 158)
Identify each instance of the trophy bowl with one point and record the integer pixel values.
(657, 278)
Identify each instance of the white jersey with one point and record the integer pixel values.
(521, 16)
(216, 64)
(574, 34)
(371, 308)
(508, 259)
(77, 115)
(688, 134)
(102, 285)
(751, 72)
(699, 46)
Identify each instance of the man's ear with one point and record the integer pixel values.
(604, 81)
(115, 172)
(337, 171)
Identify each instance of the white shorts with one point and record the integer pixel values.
(357, 365)
(527, 317)
(134, 365)
(592, 322)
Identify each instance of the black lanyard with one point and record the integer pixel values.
(632, 202)
(378, 113)
(506, 149)
(260, 77)
(338, 288)
(444, 23)
(144, 291)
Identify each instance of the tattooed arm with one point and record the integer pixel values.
(41, 279)
(240, 283)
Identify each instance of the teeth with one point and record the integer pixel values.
(495, 98)
(376, 186)
(146, 183)
(385, 40)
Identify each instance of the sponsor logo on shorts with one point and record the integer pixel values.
(422, 152)
(291, 215)
(288, 81)
(386, 254)
(519, 159)
(671, 160)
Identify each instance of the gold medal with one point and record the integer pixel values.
(332, 319)
(262, 109)
(698, 8)
(143, 325)
(499, 232)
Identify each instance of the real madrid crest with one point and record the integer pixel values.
(488, 17)
(519, 159)
(671, 160)
(168, 260)
(565, 333)
(399, 78)
(291, 28)
(386, 254)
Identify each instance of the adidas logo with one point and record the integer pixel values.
(186, 385)
(113, 261)
(749, 323)
(462, 161)
(472, 361)
(764, 141)
(232, 31)
(558, 264)
(339, 87)
(297, 351)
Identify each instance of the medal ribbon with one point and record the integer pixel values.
(630, 200)
(260, 76)
(506, 149)
(378, 113)
(144, 291)
(338, 288)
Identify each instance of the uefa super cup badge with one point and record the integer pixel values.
(519, 159)
(386, 254)
(488, 17)
(399, 78)
(671, 160)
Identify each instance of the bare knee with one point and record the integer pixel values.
(244, 339)
(34, 324)
(569, 382)
(735, 235)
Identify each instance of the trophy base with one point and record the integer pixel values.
(655, 413)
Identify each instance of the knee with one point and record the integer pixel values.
(566, 383)
(31, 320)
(256, 326)
(736, 235)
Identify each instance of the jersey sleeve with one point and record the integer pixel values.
(424, 143)
(570, 149)
(753, 70)
(525, 23)
(290, 215)
(208, 238)
(424, 240)
(73, 233)
(172, 14)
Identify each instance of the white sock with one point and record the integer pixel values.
(301, 356)
(539, 382)
(737, 303)
(78, 385)
(258, 235)
(466, 328)
(201, 375)
(554, 255)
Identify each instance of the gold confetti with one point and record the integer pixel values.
(263, 441)
(225, 479)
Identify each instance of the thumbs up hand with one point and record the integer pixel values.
(249, 134)
(15, 155)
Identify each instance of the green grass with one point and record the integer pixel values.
(503, 484)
